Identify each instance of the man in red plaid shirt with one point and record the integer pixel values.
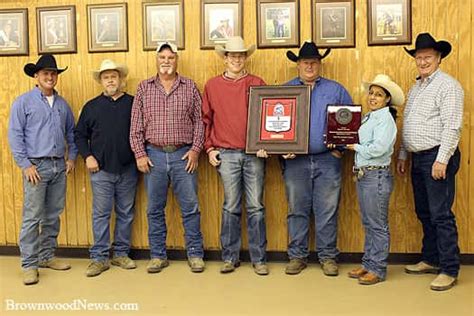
(166, 136)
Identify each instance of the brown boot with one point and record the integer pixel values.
(295, 266)
(369, 279)
(30, 276)
(357, 273)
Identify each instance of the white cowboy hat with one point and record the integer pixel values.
(108, 64)
(384, 81)
(235, 44)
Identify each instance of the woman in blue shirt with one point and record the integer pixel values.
(377, 136)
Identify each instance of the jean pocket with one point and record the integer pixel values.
(36, 162)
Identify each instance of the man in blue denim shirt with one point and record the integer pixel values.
(41, 123)
(313, 181)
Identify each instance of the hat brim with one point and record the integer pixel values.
(31, 69)
(396, 93)
(221, 51)
(294, 58)
(442, 46)
(123, 70)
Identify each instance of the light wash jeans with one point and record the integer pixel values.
(374, 190)
(42, 205)
(108, 188)
(169, 168)
(313, 184)
(242, 173)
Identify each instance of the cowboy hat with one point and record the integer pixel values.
(309, 50)
(235, 44)
(46, 61)
(425, 40)
(108, 64)
(384, 81)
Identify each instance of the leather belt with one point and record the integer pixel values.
(169, 148)
(359, 172)
(47, 158)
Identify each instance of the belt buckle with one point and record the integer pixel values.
(169, 148)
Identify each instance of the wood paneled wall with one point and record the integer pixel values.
(447, 19)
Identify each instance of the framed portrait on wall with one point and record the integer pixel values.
(163, 22)
(56, 29)
(220, 20)
(107, 27)
(389, 22)
(333, 23)
(13, 32)
(278, 23)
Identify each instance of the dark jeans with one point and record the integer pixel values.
(433, 202)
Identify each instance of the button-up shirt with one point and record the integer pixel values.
(377, 135)
(433, 116)
(103, 131)
(37, 129)
(161, 118)
(324, 92)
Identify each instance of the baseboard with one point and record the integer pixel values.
(215, 255)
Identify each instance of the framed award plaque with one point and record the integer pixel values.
(278, 119)
(343, 122)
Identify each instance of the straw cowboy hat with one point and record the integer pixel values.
(425, 40)
(235, 44)
(309, 50)
(384, 81)
(46, 61)
(108, 64)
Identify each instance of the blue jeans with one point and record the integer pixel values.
(313, 184)
(42, 205)
(108, 188)
(374, 190)
(433, 202)
(169, 168)
(242, 173)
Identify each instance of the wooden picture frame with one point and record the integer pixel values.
(163, 22)
(14, 38)
(333, 23)
(278, 119)
(220, 20)
(56, 29)
(107, 27)
(278, 23)
(389, 22)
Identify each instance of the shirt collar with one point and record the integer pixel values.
(40, 93)
(315, 83)
(379, 112)
(430, 77)
(232, 79)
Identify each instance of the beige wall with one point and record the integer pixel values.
(447, 19)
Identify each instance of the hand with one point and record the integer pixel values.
(401, 166)
(92, 164)
(193, 159)
(262, 153)
(351, 146)
(144, 164)
(70, 164)
(289, 156)
(32, 175)
(438, 170)
(213, 156)
(336, 153)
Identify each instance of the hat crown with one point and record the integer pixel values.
(235, 43)
(46, 61)
(309, 50)
(108, 64)
(425, 40)
(171, 46)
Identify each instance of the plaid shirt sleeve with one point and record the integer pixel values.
(198, 135)
(451, 118)
(137, 130)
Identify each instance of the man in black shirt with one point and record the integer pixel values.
(102, 137)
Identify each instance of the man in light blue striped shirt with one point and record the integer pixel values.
(431, 132)
(40, 132)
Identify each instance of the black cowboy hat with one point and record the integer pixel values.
(46, 61)
(307, 51)
(425, 40)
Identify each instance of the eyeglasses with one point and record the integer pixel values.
(236, 57)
